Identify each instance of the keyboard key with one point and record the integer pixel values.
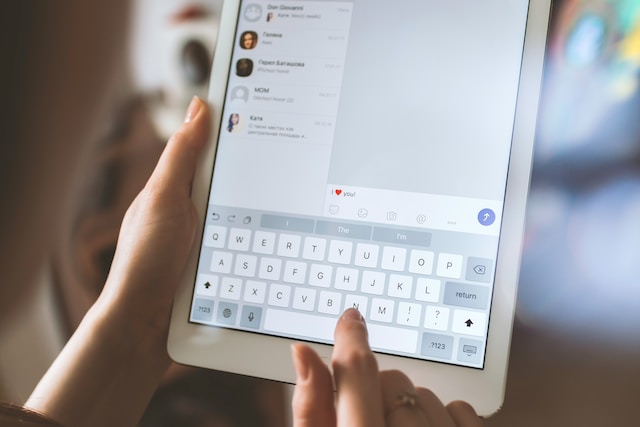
(289, 246)
(393, 258)
(295, 272)
(264, 242)
(227, 313)
(381, 310)
(330, 303)
(346, 279)
(215, 236)
(479, 269)
(372, 282)
(400, 286)
(436, 345)
(302, 324)
(320, 275)
(255, 292)
(358, 302)
(409, 314)
(251, 317)
(270, 269)
(427, 290)
(366, 255)
(221, 262)
(304, 299)
(239, 239)
(381, 337)
(202, 310)
(206, 285)
(245, 265)
(470, 351)
(421, 262)
(449, 265)
(436, 318)
(340, 252)
(314, 249)
(464, 295)
(469, 322)
(231, 288)
(279, 295)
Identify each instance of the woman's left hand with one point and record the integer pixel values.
(158, 231)
(114, 361)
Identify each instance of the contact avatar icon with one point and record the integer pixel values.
(253, 12)
(244, 67)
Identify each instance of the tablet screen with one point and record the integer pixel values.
(362, 162)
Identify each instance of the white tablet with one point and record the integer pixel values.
(370, 154)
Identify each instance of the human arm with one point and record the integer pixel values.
(112, 364)
(364, 396)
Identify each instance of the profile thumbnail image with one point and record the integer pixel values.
(233, 123)
(244, 67)
(253, 12)
(248, 40)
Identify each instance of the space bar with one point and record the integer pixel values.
(321, 328)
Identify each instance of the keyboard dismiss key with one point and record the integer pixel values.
(469, 296)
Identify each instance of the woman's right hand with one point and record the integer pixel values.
(365, 397)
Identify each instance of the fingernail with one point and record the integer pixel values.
(302, 369)
(193, 109)
(353, 314)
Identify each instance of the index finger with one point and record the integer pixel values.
(355, 370)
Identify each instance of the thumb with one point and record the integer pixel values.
(177, 164)
(159, 226)
(313, 396)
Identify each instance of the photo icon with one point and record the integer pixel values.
(233, 123)
(248, 40)
(244, 67)
(253, 12)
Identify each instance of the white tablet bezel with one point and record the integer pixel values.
(269, 357)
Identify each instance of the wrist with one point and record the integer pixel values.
(130, 330)
(111, 361)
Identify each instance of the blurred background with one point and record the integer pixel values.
(575, 356)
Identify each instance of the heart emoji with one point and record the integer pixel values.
(338, 192)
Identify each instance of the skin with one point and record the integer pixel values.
(364, 396)
(117, 356)
(247, 41)
(112, 364)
